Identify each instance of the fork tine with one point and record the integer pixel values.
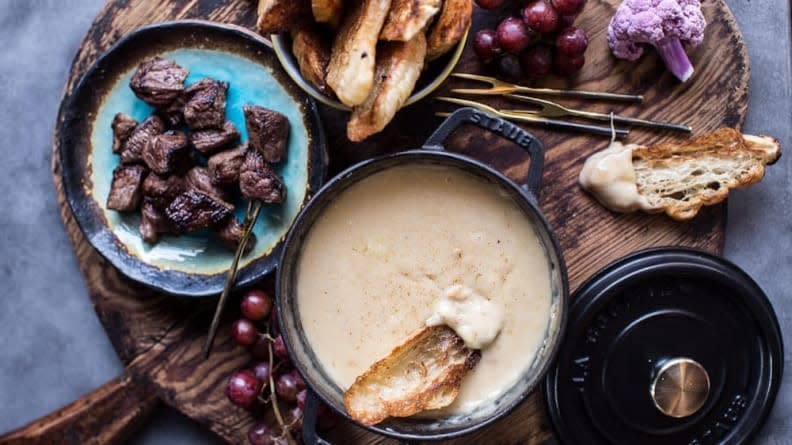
(469, 103)
(490, 80)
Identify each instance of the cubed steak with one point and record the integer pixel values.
(224, 166)
(230, 234)
(173, 114)
(165, 152)
(161, 191)
(193, 210)
(206, 105)
(258, 180)
(123, 125)
(132, 151)
(126, 190)
(198, 179)
(152, 222)
(158, 81)
(268, 132)
(211, 140)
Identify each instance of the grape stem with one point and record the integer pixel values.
(274, 396)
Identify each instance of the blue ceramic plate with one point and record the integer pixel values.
(194, 264)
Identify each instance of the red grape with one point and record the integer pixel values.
(565, 65)
(485, 44)
(262, 371)
(509, 65)
(540, 17)
(513, 35)
(279, 347)
(301, 396)
(256, 305)
(298, 378)
(286, 388)
(244, 332)
(566, 20)
(572, 41)
(537, 61)
(243, 388)
(260, 349)
(294, 417)
(568, 7)
(490, 4)
(261, 434)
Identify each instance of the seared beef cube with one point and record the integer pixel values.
(162, 191)
(173, 114)
(268, 132)
(258, 180)
(193, 210)
(230, 233)
(206, 105)
(164, 152)
(126, 190)
(211, 140)
(158, 81)
(123, 125)
(198, 179)
(224, 166)
(133, 149)
(152, 222)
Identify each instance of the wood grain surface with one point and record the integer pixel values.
(159, 337)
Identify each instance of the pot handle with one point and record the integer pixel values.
(311, 418)
(496, 125)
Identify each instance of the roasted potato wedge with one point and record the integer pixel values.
(328, 11)
(351, 70)
(450, 27)
(277, 16)
(407, 18)
(311, 49)
(399, 64)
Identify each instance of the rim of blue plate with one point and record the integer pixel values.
(74, 127)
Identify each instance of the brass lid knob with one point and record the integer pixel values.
(680, 387)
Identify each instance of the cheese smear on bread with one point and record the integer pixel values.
(610, 176)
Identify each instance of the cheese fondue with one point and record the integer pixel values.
(385, 254)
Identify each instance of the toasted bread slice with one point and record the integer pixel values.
(408, 18)
(277, 16)
(450, 27)
(351, 70)
(681, 178)
(328, 11)
(399, 65)
(424, 372)
(312, 52)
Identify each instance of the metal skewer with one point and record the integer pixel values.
(552, 109)
(499, 87)
(535, 119)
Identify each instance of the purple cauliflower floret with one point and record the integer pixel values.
(664, 24)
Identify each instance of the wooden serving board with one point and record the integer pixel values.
(159, 337)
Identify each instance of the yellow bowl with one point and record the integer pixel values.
(281, 43)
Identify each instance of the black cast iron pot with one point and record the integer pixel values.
(432, 153)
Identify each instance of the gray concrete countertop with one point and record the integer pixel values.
(52, 347)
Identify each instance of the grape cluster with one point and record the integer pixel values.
(270, 383)
(541, 38)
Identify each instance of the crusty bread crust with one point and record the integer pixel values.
(351, 70)
(277, 16)
(399, 66)
(328, 11)
(682, 178)
(408, 18)
(449, 28)
(424, 372)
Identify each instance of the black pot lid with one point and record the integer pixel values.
(666, 346)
